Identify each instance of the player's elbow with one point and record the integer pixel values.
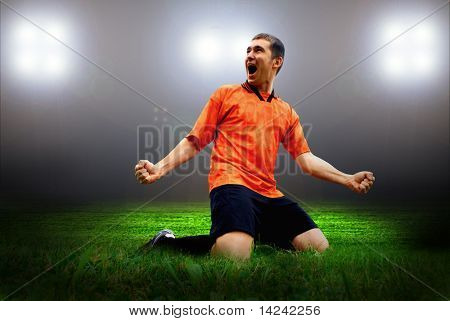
(193, 145)
(305, 162)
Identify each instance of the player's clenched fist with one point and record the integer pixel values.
(361, 182)
(146, 172)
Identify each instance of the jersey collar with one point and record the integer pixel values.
(250, 88)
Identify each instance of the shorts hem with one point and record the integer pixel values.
(303, 230)
(218, 234)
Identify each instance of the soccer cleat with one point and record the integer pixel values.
(160, 236)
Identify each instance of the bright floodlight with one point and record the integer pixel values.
(54, 65)
(27, 34)
(395, 65)
(26, 63)
(423, 35)
(392, 30)
(206, 48)
(239, 47)
(39, 54)
(422, 62)
(411, 54)
(215, 50)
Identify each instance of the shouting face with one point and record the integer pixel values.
(259, 64)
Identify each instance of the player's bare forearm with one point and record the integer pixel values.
(184, 151)
(360, 182)
(147, 173)
(319, 168)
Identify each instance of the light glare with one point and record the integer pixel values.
(392, 30)
(56, 30)
(54, 65)
(37, 52)
(410, 55)
(422, 62)
(239, 46)
(395, 65)
(26, 63)
(206, 48)
(27, 34)
(423, 35)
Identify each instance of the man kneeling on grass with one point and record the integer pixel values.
(247, 122)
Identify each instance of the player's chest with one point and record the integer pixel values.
(257, 114)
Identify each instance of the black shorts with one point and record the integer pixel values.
(274, 221)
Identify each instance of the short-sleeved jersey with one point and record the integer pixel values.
(247, 127)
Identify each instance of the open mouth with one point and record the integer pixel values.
(251, 69)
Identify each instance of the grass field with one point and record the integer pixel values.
(371, 248)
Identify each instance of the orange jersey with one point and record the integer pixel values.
(247, 127)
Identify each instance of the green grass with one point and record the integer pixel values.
(111, 268)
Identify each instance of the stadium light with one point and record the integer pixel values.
(239, 47)
(395, 65)
(411, 55)
(26, 63)
(206, 48)
(39, 54)
(27, 34)
(54, 65)
(422, 62)
(210, 47)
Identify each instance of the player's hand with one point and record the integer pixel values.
(360, 182)
(146, 172)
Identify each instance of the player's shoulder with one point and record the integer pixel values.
(229, 87)
(226, 90)
(287, 109)
(283, 104)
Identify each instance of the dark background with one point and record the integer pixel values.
(71, 135)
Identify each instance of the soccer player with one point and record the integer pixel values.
(247, 122)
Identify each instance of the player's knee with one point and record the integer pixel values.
(311, 240)
(234, 245)
(322, 245)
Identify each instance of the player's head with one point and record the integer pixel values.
(265, 56)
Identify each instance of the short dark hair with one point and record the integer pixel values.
(276, 46)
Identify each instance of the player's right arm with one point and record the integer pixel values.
(147, 172)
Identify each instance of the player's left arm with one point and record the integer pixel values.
(360, 182)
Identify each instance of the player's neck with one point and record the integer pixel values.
(265, 87)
